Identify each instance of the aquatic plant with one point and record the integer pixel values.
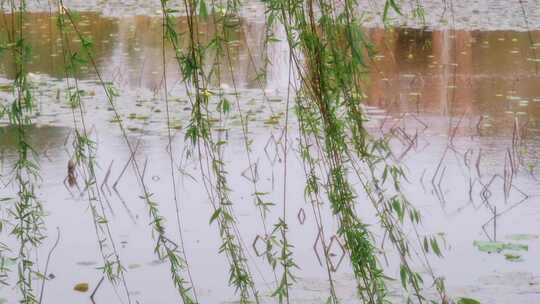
(329, 58)
(329, 51)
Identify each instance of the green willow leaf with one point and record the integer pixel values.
(467, 301)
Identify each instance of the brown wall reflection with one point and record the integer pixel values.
(448, 73)
(42, 34)
(437, 73)
(129, 50)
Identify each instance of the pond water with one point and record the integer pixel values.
(463, 107)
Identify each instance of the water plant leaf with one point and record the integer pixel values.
(390, 4)
(215, 215)
(513, 257)
(467, 301)
(403, 275)
(81, 287)
(490, 247)
(435, 247)
(522, 237)
(516, 247)
(426, 244)
(203, 10)
(224, 105)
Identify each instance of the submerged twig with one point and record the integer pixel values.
(49, 255)
(96, 289)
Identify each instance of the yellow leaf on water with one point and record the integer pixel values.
(81, 287)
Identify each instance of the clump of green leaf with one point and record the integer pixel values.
(498, 247)
(26, 214)
(467, 301)
(85, 150)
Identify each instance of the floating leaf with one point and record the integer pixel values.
(467, 301)
(517, 247)
(513, 257)
(490, 247)
(522, 237)
(81, 287)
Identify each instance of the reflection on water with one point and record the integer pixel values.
(445, 73)
(38, 136)
(488, 77)
(42, 33)
(129, 50)
(42, 139)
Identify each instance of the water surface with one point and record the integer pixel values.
(467, 100)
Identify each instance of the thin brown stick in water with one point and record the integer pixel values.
(106, 179)
(64, 182)
(454, 131)
(144, 168)
(466, 159)
(471, 185)
(123, 202)
(47, 264)
(478, 163)
(404, 153)
(422, 180)
(131, 157)
(420, 121)
(478, 126)
(95, 290)
(529, 34)
(67, 138)
(71, 175)
(495, 223)
(46, 152)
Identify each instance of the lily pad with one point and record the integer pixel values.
(513, 257)
(467, 301)
(522, 237)
(81, 287)
(490, 247)
(516, 247)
